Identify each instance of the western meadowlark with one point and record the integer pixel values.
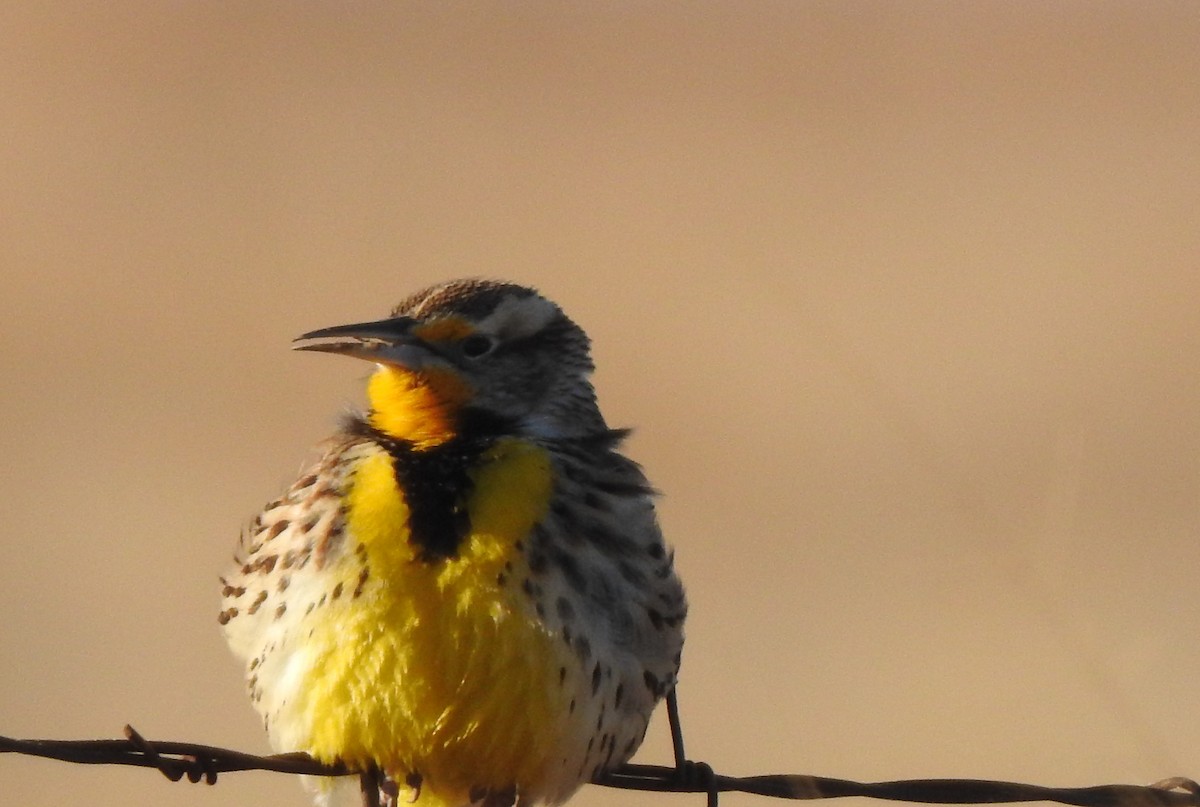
(468, 594)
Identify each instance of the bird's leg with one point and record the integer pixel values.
(389, 791)
(688, 773)
(500, 798)
(378, 789)
(368, 784)
(676, 732)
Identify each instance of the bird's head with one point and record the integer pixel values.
(471, 354)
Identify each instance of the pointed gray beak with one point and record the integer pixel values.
(386, 341)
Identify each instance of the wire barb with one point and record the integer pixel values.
(192, 766)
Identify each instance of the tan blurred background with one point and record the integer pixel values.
(902, 298)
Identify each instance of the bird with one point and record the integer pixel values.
(467, 595)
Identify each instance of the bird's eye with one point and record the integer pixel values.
(476, 345)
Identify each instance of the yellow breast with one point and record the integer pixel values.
(439, 668)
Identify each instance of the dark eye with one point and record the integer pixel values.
(476, 345)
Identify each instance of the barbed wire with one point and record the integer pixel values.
(196, 763)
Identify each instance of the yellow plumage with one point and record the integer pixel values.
(413, 408)
(418, 675)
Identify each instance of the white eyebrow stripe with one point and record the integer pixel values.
(519, 317)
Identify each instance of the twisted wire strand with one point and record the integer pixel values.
(197, 762)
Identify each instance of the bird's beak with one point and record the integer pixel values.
(385, 341)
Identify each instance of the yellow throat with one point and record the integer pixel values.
(418, 407)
